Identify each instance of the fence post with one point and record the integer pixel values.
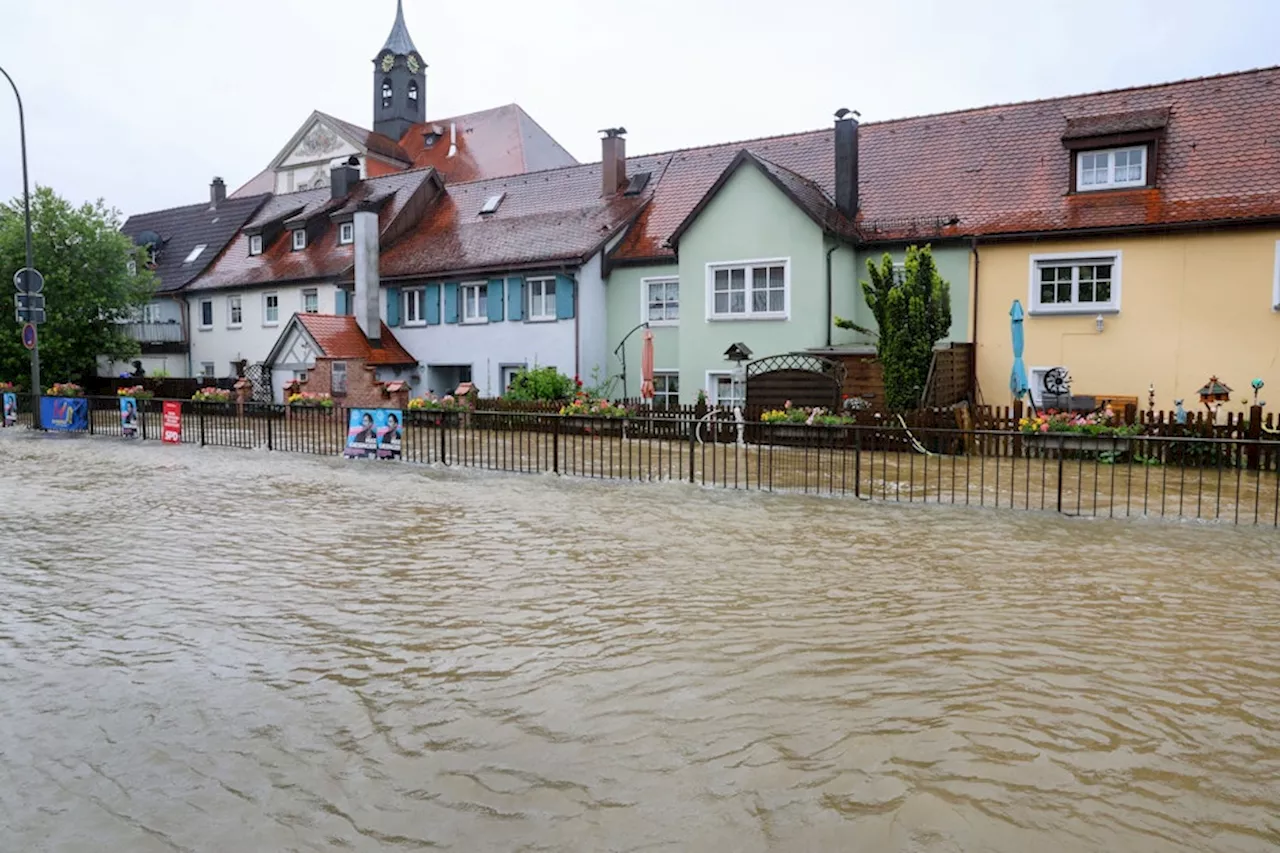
(444, 428)
(200, 418)
(1062, 441)
(1253, 434)
(269, 415)
(857, 461)
(144, 405)
(555, 446)
(1017, 420)
(88, 405)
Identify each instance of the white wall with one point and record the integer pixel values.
(253, 340)
(593, 319)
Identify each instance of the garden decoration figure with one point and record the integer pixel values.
(1179, 413)
(1151, 401)
(1213, 395)
(1257, 386)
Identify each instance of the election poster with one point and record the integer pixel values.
(10, 409)
(374, 434)
(64, 414)
(171, 422)
(128, 417)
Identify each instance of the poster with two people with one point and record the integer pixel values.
(374, 434)
(10, 409)
(128, 417)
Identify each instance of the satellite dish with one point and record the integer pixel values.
(147, 238)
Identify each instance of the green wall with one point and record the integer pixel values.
(625, 309)
(953, 265)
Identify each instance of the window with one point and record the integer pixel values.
(491, 203)
(346, 302)
(299, 240)
(725, 390)
(666, 389)
(346, 233)
(270, 309)
(310, 301)
(338, 377)
(413, 93)
(542, 298)
(414, 307)
(1075, 284)
(757, 289)
(1117, 167)
(207, 370)
(150, 313)
(235, 313)
(300, 375)
(132, 266)
(386, 92)
(661, 300)
(509, 373)
(206, 313)
(255, 244)
(195, 253)
(475, 303)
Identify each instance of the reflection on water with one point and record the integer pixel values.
(205, 650)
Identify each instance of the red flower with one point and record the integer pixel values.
(577, 381)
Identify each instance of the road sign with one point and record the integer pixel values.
(29, 301)
(28, 280)
(29, 336)
(30, 315)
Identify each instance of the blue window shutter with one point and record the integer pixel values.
(493, 299)
(393, 306)
(564, 297)
(340, 303)
(431, 293)
(451, 302)
(515, 298)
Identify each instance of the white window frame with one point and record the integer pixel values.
(1275, 285)
(303, 299)
(346, 233)
(266, 309)
(255, 244)
(1074, 259)
(481, 287)
(299, 239)
(542, 299)
(671, 400)
(150, 314)
(203, 326)
(748, 267)
(211, 373)
(412, 295)
(1111, 183)
(195, 253)
(664, 280)
(235, 305)
(713, 397)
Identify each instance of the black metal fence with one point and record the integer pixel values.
(1228, 480)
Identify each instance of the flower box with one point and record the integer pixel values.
(1079, 441)
(136, 391)
(65, 389)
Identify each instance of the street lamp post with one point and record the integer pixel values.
(26, 209)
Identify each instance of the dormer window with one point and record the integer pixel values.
(346, 234)
(299, 240)
(1111, 168)
(255, 244)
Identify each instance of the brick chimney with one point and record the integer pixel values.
(368, 285)
(217, 192)
(847, 162)
(344, 174)
(613, 165)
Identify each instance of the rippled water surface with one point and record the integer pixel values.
(229, 650)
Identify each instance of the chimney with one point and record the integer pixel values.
(217, 192)
(368, 286)
(613, 161)
(344, 174)
(847, 162)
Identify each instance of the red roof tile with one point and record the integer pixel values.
(1004, 169)
(323, 256)
(375, 142)
(491, 144)
(340, 337)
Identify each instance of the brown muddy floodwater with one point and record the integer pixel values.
(243, 651)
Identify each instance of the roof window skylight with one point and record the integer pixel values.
(195, 253)
(491, 204)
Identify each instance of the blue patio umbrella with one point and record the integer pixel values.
(1018, 383)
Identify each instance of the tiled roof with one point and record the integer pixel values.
(323, 256)
(1004, 169)
(375, 142)
(558, 215)
(340, 337)
(181, 229)
(491, 144)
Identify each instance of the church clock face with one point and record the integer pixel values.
(414, 65)
(388, 62)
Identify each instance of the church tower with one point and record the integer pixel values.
(399, 82)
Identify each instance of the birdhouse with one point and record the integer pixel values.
(1214, 392)
(738, 353)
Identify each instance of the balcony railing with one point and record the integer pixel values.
(155, 333)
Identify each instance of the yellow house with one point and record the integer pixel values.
(1139, 229)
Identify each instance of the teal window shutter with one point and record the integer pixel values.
(393, 306)
(515, 298)
(431, 295)
(564, 297)
(340, 303)
(451, 302)
(494, 300)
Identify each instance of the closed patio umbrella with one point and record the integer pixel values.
(646, 365)
(1018, 383)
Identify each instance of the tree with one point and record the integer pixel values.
(88, 289)
(912, 311)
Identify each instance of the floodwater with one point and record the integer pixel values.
(235, 650)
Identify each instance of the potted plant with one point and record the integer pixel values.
(7, 387)
(594, 415)
(215, 400)
(1094, 431)
(65, 389)
(135, 391)
(440, 411)
(311, 400)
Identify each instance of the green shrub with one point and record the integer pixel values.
(541, 383)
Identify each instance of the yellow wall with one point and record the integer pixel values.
(1191, 306)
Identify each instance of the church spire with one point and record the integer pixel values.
(399, 42)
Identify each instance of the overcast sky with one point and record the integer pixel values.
(141, 103)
